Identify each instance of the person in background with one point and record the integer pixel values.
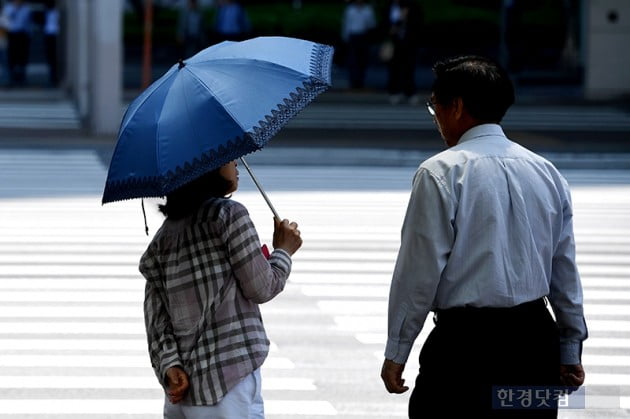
(486, 244)
(402, 23)
(357, 26)
(4, 44)
(19, 18)
(51, 35)
(206, 274)
(231, 21)
(191, 33)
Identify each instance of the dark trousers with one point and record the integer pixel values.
(358, 59)
(50, 42)
(402, 69)
(18, 52)
(473, 350)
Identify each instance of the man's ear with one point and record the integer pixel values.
(458, 107)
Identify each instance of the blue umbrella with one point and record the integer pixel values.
(223, 103)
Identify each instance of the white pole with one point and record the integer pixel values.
(275, 213)
(105, 66)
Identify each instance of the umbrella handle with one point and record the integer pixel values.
(275, 213)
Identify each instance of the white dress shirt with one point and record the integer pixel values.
(19, 17)
(357, 20)
(489, 224)
(51, 24)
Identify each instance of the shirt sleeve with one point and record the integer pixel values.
(163, 349)
(426, 241)
(565, 293)
(259, 279)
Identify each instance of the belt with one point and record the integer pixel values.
(477, 313)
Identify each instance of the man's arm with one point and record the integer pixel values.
(426, 240)
(566, 301)
(565, 293)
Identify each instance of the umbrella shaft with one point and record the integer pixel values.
(275, 213)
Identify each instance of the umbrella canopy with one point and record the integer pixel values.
(221, 104)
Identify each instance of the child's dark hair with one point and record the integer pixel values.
(186, 199)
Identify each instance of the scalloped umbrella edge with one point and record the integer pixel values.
(137, 181)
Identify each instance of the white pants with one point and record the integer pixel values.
(244, 401)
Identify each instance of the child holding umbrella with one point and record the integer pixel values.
(205, 275)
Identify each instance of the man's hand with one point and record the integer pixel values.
(572, 375)
(391, 373)
(177, 381)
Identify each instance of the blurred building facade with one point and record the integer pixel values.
(92, 51)
(608, 49)
(93, 61)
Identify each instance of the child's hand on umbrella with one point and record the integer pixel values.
(286, 236)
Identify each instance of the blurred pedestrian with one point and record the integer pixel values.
(191, 31)
(358, 24)
(486, 243)
(206, 275)
(231, 21)
(19, 15)
(4, 44)
(51, 35)
(402, 20)
(518, 43)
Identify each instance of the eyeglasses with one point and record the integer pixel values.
(430, 108)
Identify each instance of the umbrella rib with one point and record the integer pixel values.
(214, 95)
(261, 132)
(193, 126)
(307, 74)
(229, 60)
(154, 88)
(319, 62)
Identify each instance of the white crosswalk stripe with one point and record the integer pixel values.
(71, 329)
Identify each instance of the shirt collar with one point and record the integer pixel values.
(483, 130)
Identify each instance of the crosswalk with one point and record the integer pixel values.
(72, 340)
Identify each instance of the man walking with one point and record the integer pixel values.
(357, 26)
(487, 243)
(19, 15)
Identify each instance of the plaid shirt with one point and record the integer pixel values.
(205, 276)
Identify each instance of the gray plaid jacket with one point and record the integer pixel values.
(205, 276)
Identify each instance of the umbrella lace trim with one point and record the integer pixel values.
(321, 60)
(280, 116)
(209, 161)
(158, 186)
